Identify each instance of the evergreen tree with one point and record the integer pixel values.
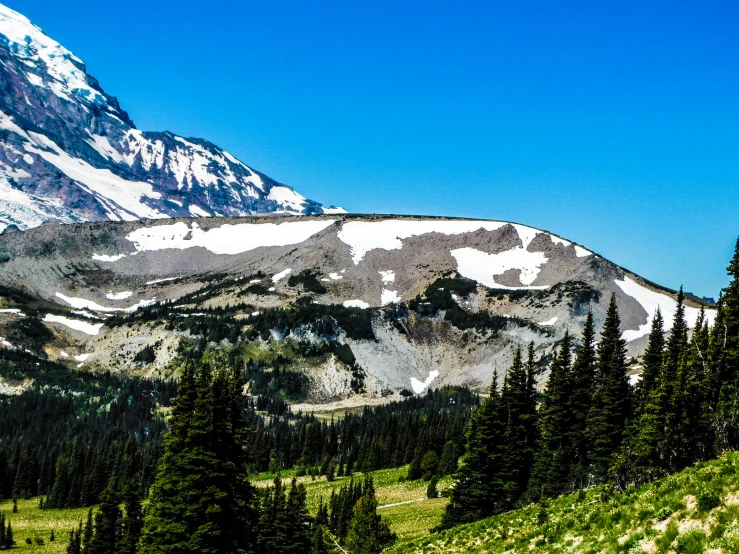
(87, 534)
(477, 484)
(107, 526)
(610, 405)
(132, 520)
(9, 541)
(74, 544)
(581, 394)
(201, 500)
(555, 455)
(368, 533)
(652, 359)
(518, 442)
(297, 520)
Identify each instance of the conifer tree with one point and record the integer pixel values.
(610, 405)
(87, 533)
(297, 520)
(519, 436)
(652, 358)
(107, 524)
(201, 500)
(581, 394)
(74, 544)
(477, 484)
(132, 520)
(368, 533)
(724, 363)
(555, 453)
(9, 541)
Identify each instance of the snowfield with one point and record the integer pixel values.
(650, 301)
(226, 239)
(482, 267)
(77, 325)
(420, 386)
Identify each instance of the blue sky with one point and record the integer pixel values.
(614, 124)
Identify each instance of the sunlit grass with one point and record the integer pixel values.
(30, 522)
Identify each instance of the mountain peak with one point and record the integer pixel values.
(69, 152)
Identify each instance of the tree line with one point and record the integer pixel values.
(591, 427)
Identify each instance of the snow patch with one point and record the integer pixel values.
(389, 297)
(482, 267)
(82, 357)
(107, 258)
(277, 277)
(226, 239)
(365, 236)
(419, 386)
(580, 252)
(335, 276)
(356, 304)
(77, 325)
(119, 295)
(548, 322)
(155, 281)
(84, 304)
(14, 311)
(650, 301)
(387, 276)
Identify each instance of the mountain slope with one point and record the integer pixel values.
(694, 511)
(357, 304)
(69, 152)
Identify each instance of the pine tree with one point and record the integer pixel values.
(87, 534)
(201, 500)
(581, 394)
(132, 520)
(9, 542)
(610, 405)
(107, 524)
(74, 544)
(477, 485)
(556, 453)
(368, 533)
(297, 520)
(652, 359)
(519, 435)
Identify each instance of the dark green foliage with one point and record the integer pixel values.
(429, 465)
(367, 533)
(29, 330)
(611, 401)
(322, 318)
(201, 500)
(308, 279)
(432, 491)
(146, 355)
(74, 546)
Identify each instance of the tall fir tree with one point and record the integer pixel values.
(581, 394)
(201, 500)
(368, 533)
(107, 523)
(555, 454)
(610, 406)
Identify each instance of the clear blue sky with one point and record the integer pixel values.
(615, 124)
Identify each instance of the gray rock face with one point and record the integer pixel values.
(531, 285)
(69, 152)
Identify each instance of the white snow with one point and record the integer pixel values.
(226, 239)
(365, 236)
(634, 379)
(86, 314)
(419, 386)
(277, 277)
(119, 295)
(335, 276)
(559, 240)
(30, 45)
(389, 297)
(83, 304)
(482, 267)
(650, 301)
(387, 276)
(271, 289)
(155, 281)
(581, 252)
(77, 325)
(82, 357)
(548, 322)
(104, 148)
(107, 258)
(14, 311)
(287, 197)
(356, 304)
(197, 211)
(63, 354)
(334, 210)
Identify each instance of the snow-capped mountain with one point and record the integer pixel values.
(69, 152)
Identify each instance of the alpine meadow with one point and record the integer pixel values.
(198, 359)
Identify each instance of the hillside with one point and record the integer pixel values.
(363, 307)
(694, 511)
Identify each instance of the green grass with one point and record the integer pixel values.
(410, 521)
(692, 512)
(30, 522)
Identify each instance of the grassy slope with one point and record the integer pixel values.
(410, 521)
(694, 511)
(31, 522)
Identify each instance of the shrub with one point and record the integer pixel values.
(708, 501)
